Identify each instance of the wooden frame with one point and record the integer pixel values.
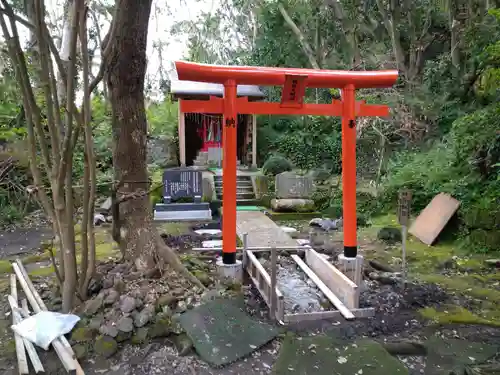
(262, 282)
(327, 278)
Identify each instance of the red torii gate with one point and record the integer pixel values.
(294, 82)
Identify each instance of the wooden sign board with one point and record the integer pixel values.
(434, 218)
(404, 207)
(294, 90)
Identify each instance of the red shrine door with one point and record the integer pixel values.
(211, 132)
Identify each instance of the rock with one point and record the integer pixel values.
(144, 317)
(133, 276)
(107, 282)
(389, 235)
(178, 292)
(81, 351)
(181, 307)
(166, 300)
(125, 324)
(105, 346)
(96, 285)
(176, 326)
(138, 303)
(326, 224)
(161, 327)
(167, 311)
(153, 273)
(203, 277)
(127, 304)
(105, 206)
(109, 330)
(119, 285)
(140, 336)
(93, 305)
(82, 334)
(292, 205)
(111, 298)
(183, 344)
(96, 322)
(380, 266)
(123, 336)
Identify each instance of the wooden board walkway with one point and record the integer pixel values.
(262, 231)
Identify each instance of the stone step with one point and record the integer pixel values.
(218, 179)
(243, 202)
(246, 189)
(240, 195)
(238, 181)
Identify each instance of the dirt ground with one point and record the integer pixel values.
(398, 313)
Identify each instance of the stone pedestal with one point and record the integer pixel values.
(230, 272)
(352, 268)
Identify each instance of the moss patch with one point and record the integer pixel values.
(174, 228)
(35, 258)
(42, 271)
(291, 216)
(5, 267)
(452, 314)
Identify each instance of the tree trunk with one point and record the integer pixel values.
(125, 78)
(125, 73)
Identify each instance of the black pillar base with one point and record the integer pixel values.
(229, 258)
(350, 251)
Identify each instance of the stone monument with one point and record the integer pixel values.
(182, 184)
(293, 193)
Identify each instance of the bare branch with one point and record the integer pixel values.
(306, 47)
(106, 49)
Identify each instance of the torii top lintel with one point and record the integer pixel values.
(256, 75)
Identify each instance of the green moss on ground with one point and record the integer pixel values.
(5, 267)
(175, 228)
(292, 216)
(468, 275)
(451, 314)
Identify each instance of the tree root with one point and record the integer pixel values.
(167, 255)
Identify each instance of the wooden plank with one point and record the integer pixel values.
(335, 314)
(272, 288)
(60, 344)
(17, 318)
(255, 249)
(434, 218)
(263, 273)
(22, 361)
(326, 291)
(334, 279)
(259, 276)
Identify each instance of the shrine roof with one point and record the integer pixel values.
(197, 90)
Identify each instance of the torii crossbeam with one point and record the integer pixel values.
(294, 83)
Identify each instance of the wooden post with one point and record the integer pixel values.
(254, 141)
(274, 271)
(182, 136)
(404, 219)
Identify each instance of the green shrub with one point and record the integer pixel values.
(9, 215)
(276, 165)
(476, 140)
